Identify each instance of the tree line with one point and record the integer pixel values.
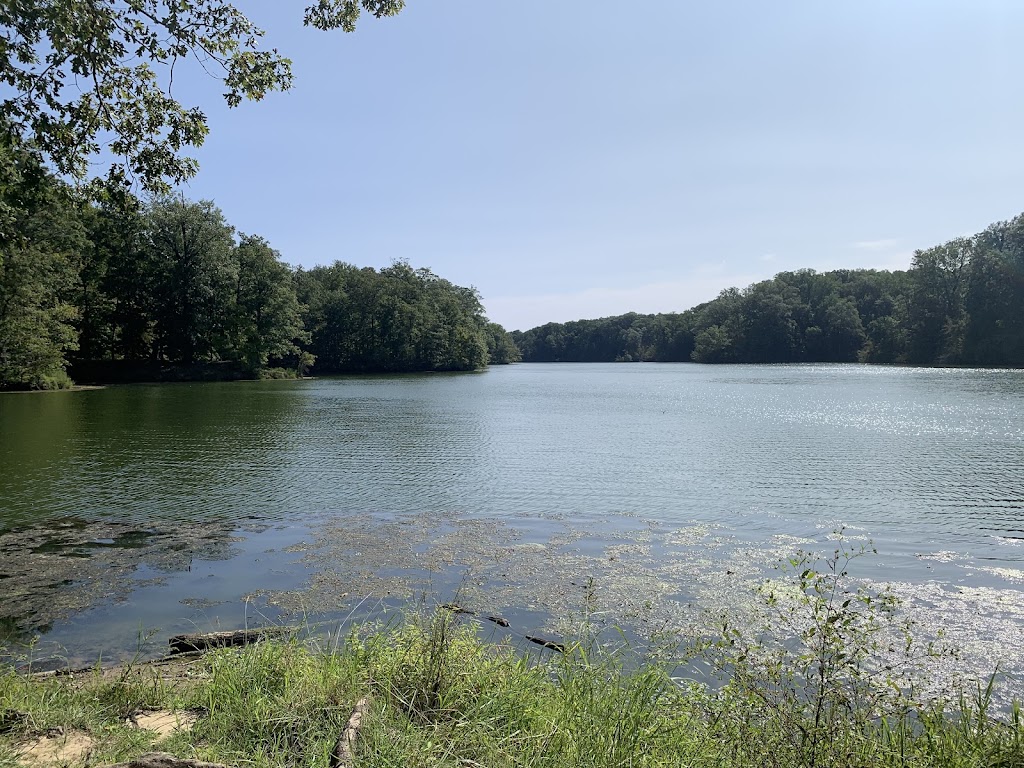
(959, 304)
(106, 278)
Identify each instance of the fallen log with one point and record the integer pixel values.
(344, 749)
(554, 646)
(164, 760)
(193, 643)
(60, 672)
(454, 608)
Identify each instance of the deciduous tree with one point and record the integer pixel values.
(40, 242)
(85, 76)
(266, 322)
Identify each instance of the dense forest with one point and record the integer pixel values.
(95, 281)
(102, 283)
(960, 303)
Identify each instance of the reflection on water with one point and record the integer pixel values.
(516, 483)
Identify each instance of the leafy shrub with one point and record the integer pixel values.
(277, 373)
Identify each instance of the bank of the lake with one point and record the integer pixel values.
(653, 491)
(428, 692)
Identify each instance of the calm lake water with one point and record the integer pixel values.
(657, 489)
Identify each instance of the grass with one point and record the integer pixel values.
(825, 676)
(98, 706)
(439, 696)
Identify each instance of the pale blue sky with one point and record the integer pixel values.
(580, 159)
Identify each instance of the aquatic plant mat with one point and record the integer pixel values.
(58, 569)
(76, 589)
(427, 691)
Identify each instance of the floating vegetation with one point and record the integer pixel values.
(651, 582)
(54, 571)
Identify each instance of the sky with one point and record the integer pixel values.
(577, 159)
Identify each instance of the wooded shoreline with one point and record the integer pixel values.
(957, 305)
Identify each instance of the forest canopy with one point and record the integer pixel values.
(117, 287)
(112, 287)
(959, 304)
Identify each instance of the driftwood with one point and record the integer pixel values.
(60, 672)
(554, 646)
(163, 760)
(455, 608)
(458, 609)
(344, 749)
(192, 643)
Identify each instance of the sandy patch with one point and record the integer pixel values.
(165, 723)
(59, 749)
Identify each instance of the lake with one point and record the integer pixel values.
(636, 493)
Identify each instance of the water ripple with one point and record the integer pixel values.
(920, 460)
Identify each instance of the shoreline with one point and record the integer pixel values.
(428, 690)
(73, 388)
(174, 376)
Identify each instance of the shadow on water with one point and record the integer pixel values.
(146, 453)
